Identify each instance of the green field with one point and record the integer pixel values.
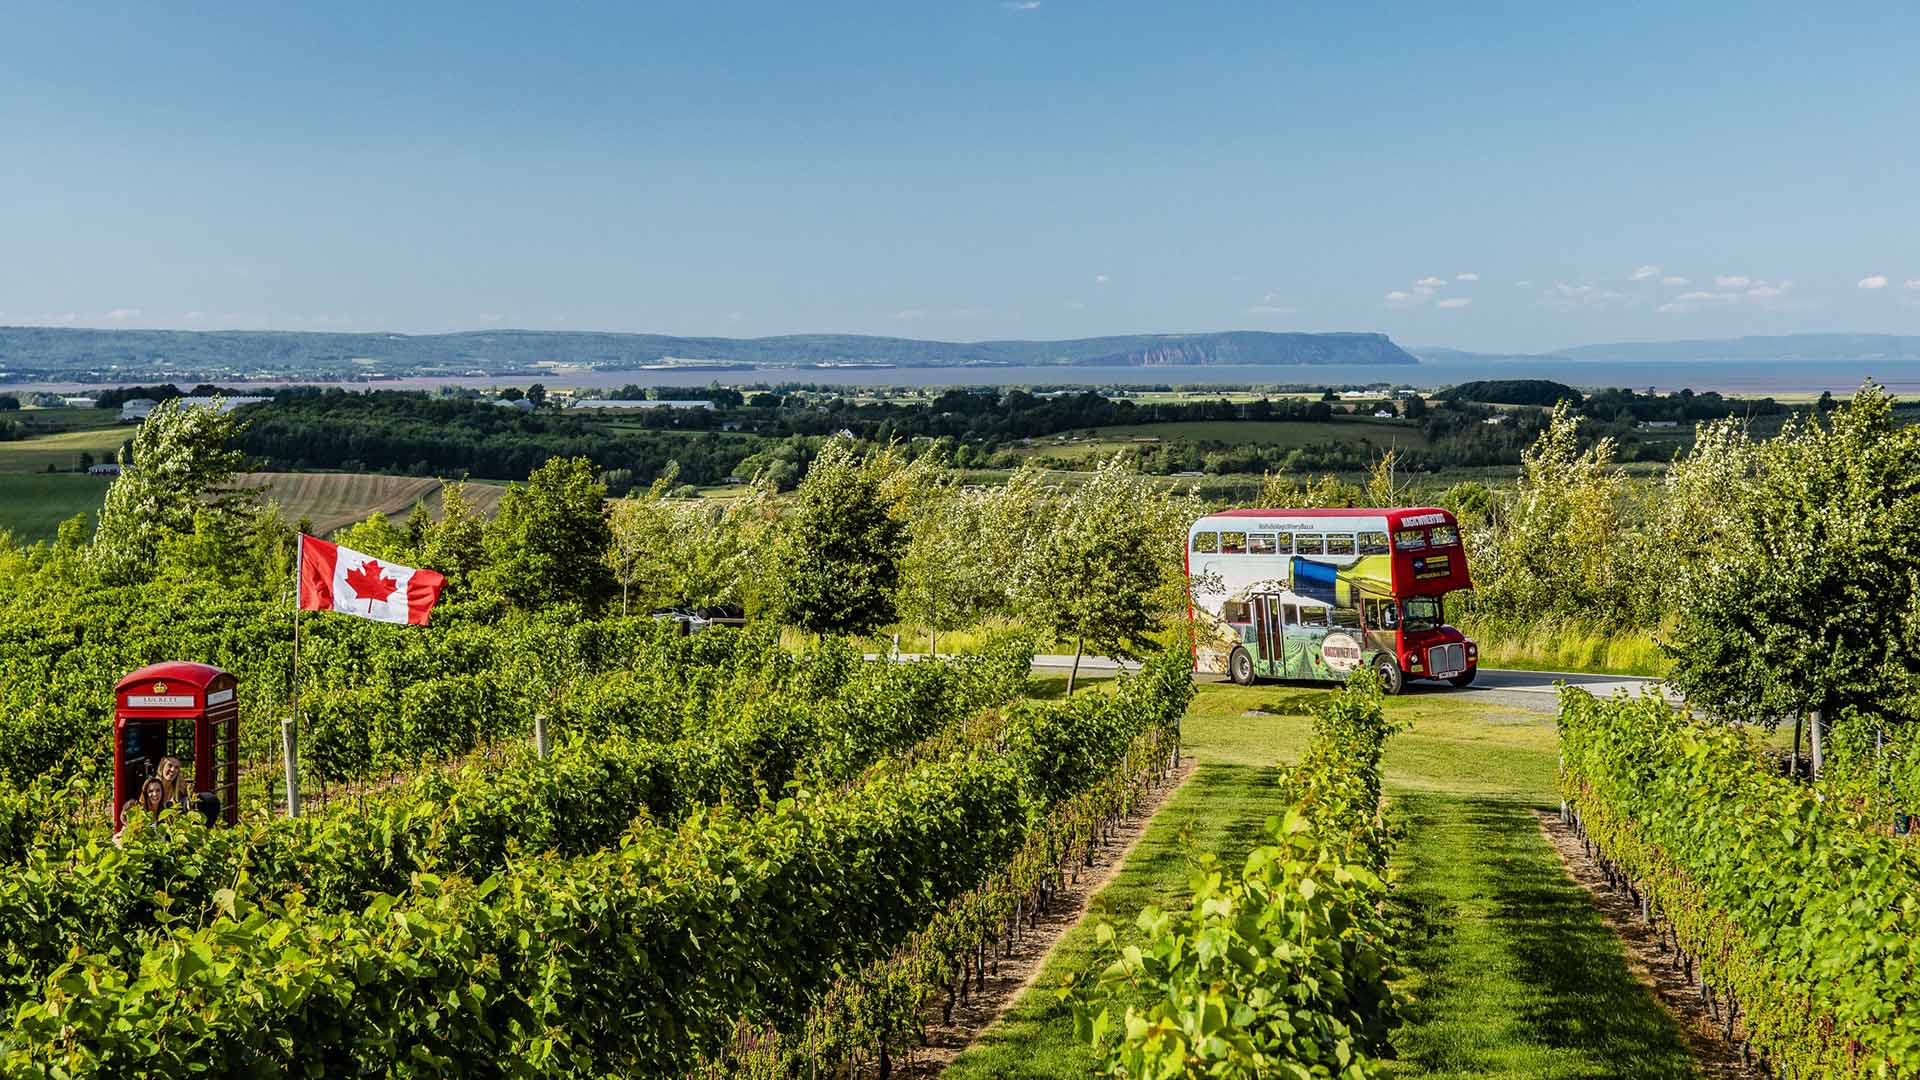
(1509, 971)
(1380, 434)
(70, 432)
(33, 503)
(33, 506)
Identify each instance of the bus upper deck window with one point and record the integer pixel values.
(1283, 543)
(1261, 544)
(1340, 544)
(1233, 543)
(1410, 539)
(1444, 536)
(1206, 543)
(1310, 544)
(1374, 543)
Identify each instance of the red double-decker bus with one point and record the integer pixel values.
(1314, 594)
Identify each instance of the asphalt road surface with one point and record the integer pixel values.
(1535, 690)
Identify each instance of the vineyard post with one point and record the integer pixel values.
(1819, 758)
(290, 727)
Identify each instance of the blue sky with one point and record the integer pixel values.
(1491, 177)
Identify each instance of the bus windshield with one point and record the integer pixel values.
(1422, 613)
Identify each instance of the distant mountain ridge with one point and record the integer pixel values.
(127, 355)
(1809, 347)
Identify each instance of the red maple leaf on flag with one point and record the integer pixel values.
(369, 581)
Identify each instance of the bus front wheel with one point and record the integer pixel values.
(1391, 680)
(1240, 668)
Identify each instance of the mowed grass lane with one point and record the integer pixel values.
(1509, 971)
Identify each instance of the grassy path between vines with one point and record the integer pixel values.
(1511, 972)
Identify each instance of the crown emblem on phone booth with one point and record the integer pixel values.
(159, 688)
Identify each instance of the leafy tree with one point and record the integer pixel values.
(1563, 545)
(837, 549)
(177, 464)
(1809, 599)
(9, 403)
(512, 393)
(1099, 568)
(548, 542)
(377, 536)
(455, 544)
(669, 550)
(537, 394)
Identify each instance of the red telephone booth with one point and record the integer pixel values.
(187, 710)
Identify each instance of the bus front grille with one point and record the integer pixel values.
(1445, 660)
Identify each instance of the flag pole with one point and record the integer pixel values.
(290, 727)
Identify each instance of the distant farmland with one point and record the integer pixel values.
(335, 500)
(32, 506)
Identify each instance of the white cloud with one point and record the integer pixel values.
(1733, 281)
(1399, 296)
(1020, 5)
(1523, 284)
(1674, 279)
(1468, 276)
(1672, 308)
(1703, 297)
(1454, 302)
(1423, 290)
(1101, 279)
(909, 313)
(1565, 297)
(1270, 309)
(1767, 291)
(1913, 283)
(1644, 273)
(1877, 281)
(1431, 282)
(491, 317)
(123, 314)
(194, 316)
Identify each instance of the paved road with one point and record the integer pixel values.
(1506, 686)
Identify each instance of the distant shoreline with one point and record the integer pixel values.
(1744, 378)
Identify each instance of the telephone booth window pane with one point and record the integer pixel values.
(1233, 543)
(1410, 539)
(1206, 542)
(1373, 543)
(1234, 611)
(1310, 544)
(1261, 544)
(1444, 536)
(1340, 544)
(1283, 543)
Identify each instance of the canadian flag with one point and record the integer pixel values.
(334, 578)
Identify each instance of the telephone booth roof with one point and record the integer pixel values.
(181, 671)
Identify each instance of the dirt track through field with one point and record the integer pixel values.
(1015, 972)
(1649, 962)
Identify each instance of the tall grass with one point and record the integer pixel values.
(1564, 645)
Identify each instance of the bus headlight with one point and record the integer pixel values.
(1413, 663)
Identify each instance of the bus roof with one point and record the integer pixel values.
(1395, 517)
